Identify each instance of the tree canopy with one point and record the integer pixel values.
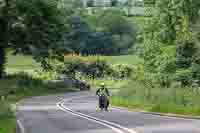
(171, 41)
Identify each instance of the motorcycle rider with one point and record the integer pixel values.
(103, 91)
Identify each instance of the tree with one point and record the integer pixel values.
(114, 3)
(123, 32)
(76, 38)
(4, 31)
(171, 28)
(150, 2)
(81, 39)
(129, 5)
(100, 43)
(2, 61)
(90, 3)
(35, 27)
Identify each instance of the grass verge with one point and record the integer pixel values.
(7, 125)
(7, 121)
(181, 101)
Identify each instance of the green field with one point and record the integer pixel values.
(7, 125)
(125, 59)
(21, 62)
(139, 20)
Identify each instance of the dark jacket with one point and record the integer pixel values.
(103, 90)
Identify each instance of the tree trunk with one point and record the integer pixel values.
(5, 37)
(2, 60)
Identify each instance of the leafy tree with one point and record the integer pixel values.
(76, 38)
(33, 27)
(100, 43)
(78, 3)
(90, 3)
(171, 27)
(4, 31)
(150, 2)
(123, 32)
(114, 3)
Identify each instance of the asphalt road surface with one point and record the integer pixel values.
(77, 113)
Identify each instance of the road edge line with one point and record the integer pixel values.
(174, 116)
(90, 117)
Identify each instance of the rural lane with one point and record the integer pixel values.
(76, 113)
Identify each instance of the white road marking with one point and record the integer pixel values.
(39, 107)
(113, 128)
(97, 120)
(60, 105)
(21, 127)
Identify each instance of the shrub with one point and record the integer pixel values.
(97, 69)
(5, 110)
(122, 71)
(184, 76)
(25, 80)
(93, 68)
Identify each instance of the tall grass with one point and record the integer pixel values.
(7, 125)
(7, 122)
(17, 86)
(166, 100)
(5, 110)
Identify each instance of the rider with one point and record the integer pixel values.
(103, 90)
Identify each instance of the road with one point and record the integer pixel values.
(76, 113)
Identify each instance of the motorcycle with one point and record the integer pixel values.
(103, 102)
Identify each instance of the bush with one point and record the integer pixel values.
(17, 83)
(45, 75)
(94, 68)
(5, 110)
(27, 81)
(184, 76)
(97, 69)
(124, 70)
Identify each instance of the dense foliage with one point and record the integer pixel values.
(34, 27)
(92, 68)
(105, 33)
(48, 29)
(171, 45)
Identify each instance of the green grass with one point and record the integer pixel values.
(178, 100)
(7, 121)
(21, 85)
(140, 21)
(132, 103)
(7, 125)
(20, 63)
(124, 59)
